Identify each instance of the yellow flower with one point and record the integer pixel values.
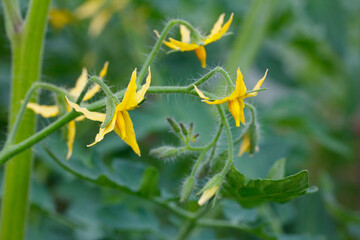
(235, 100)
(59, 18)
(53, 110)
(207, 194)
(187, 44)
(121, 122)
(101, 11)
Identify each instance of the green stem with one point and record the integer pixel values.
(26, 68)
(157, 46)
(230, 141)
(189, 225)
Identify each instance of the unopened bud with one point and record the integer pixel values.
(207, 194)
(191, 128)
(187, 188)
(183, 129)
(164, 152)
(210, 188)
(173, 124)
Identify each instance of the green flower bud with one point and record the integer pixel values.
(183, 129)
(173, 124)
(187, 188)
(164, 152)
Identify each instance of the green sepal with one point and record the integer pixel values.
(187, 188)
(110, 110)
(215, 180)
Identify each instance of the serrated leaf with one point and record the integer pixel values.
(149, 182)
(277, 171)
(255, 192)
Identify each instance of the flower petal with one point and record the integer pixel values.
(130, 138)
(200, 93)
(201, 55)
(258, 85)
(182, 46)
(88, 8)
(95, 116)
(218, 35)
(236, 108)
(185, 34)
(217, 26)
(141, 93)
(92, 91)
(240, 89)
(99, 21)
(120, 125)
(44, 110)
(129, 100)
(207, 194)
(103, 71)
(103, 131)
(245, 145)
(80, 84)
(70, 138)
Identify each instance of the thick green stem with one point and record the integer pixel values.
(26, 65)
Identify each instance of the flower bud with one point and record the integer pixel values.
(183, 129)
(210, 189)
(164, 152)
(187, 188)
(173, 124)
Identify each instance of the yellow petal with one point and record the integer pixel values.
(130, 138)
(236, 108)
(245, 145)
(80, 84)
(103, 131)
(218, 35)
(240, 89)
(129, 100)
(201, 55)
(95, 116)
(88, 9)
(103, 71)
(217, 26)
(200, 93)
(257, 86)
(44, 110)
(92, 91)
(208, 194)
(170, 45)
(80, 118)
(70, 138)
(141, 93)
(99, 22)
(120, 125)
(183, 46)
(218, 101)
(185, 34)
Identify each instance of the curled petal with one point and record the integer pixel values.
(182, 46)
(200, 93)
(80, 84)
(44, 110)
(103, 131)
(129, 100)
(258, 85)
(217, 26)
(141, 93)
(70, 138)
(130, 137)
(201, 55)
(95, 116)
(103, 71)
(185, 34)
(216, 36)
(92, 91)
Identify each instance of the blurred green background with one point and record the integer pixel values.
(310, 115)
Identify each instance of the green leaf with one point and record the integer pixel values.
(125, 176)
(277, 171)
(255, 192)
(149, 182)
